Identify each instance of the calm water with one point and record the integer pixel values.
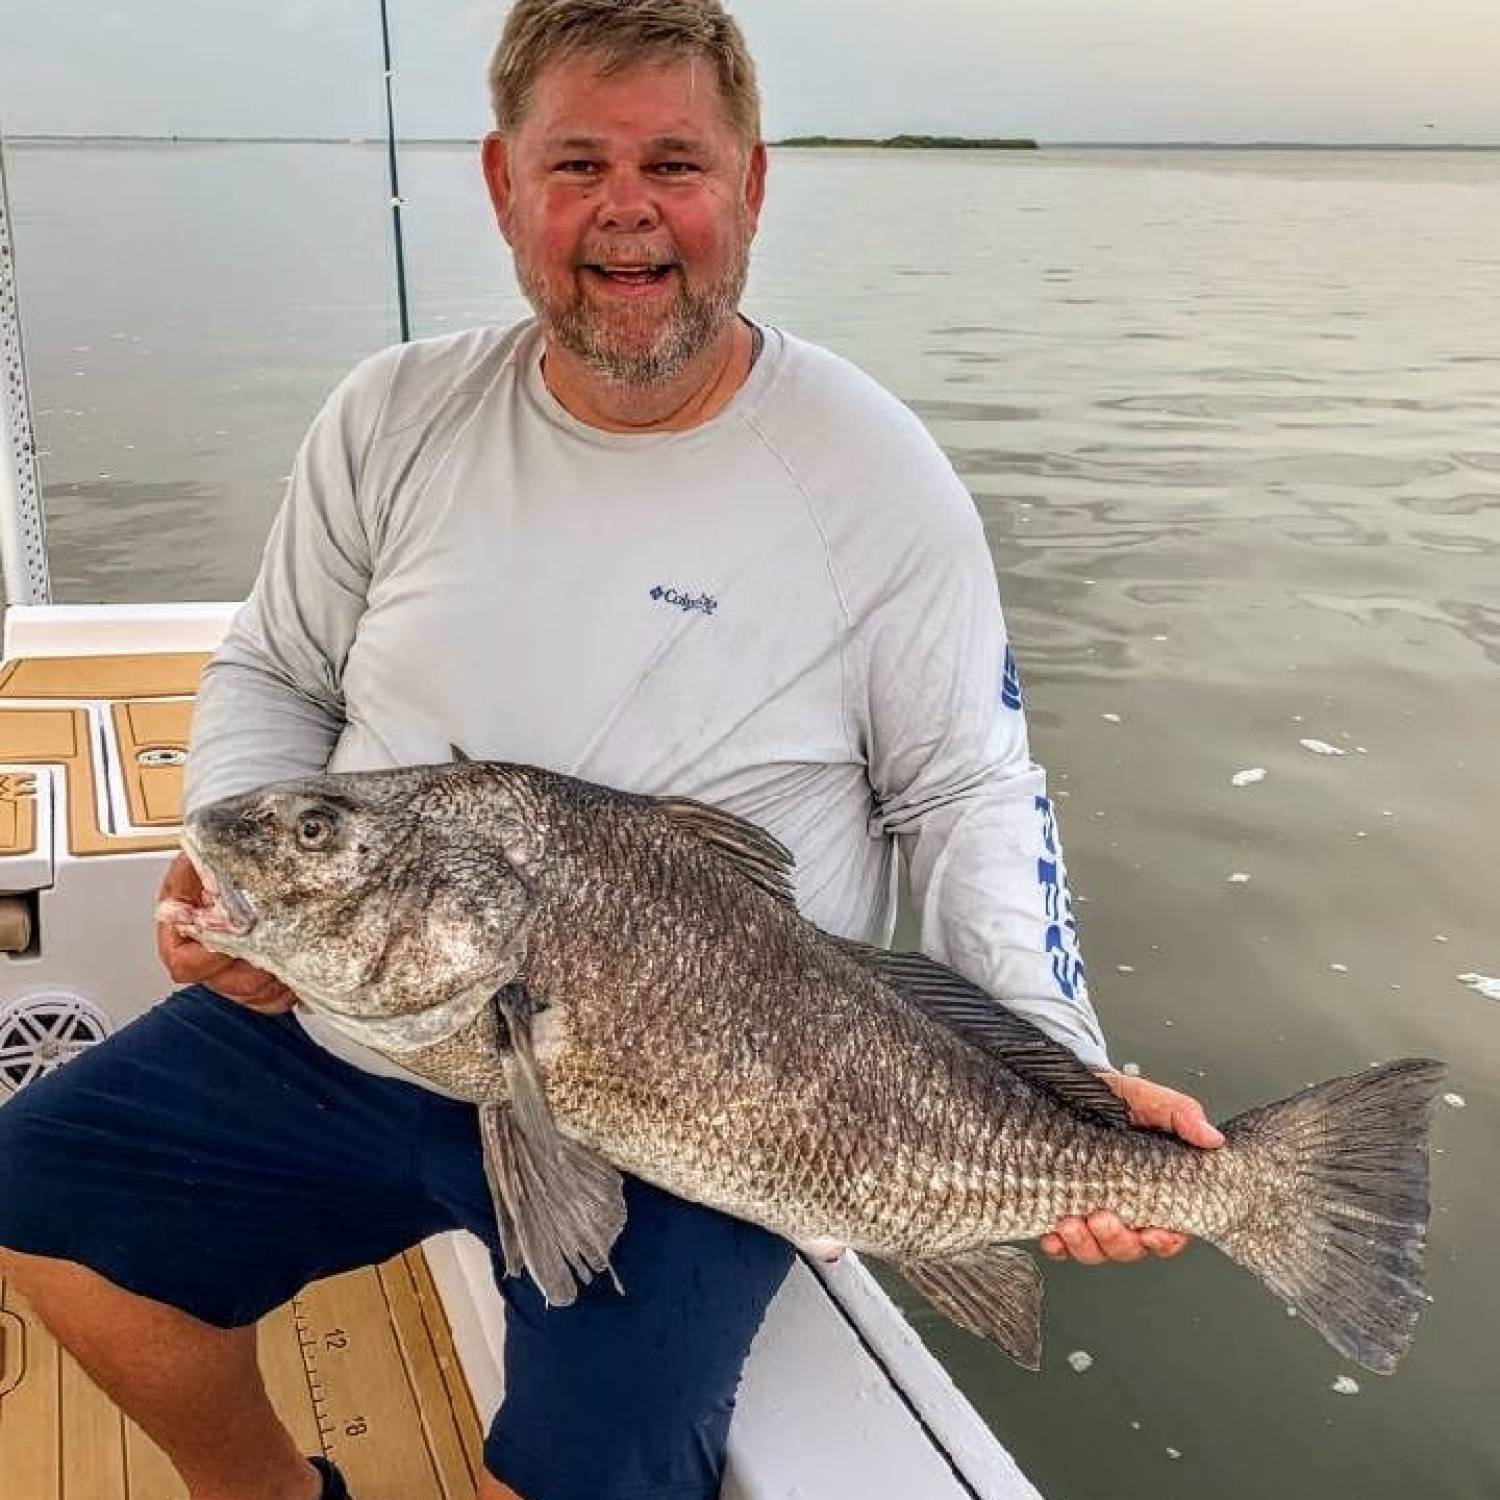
(1231, 420)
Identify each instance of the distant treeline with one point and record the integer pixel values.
(916, 142)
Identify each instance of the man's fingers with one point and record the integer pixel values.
(182, 881)
(1105, 1237)
(251, 987)
(1115, 1238)
(1164, 1243)
(244, 983)
(1187, 1120)
(1080, 1243)
(1160, 1108)
(189, 962)
(268, 1002)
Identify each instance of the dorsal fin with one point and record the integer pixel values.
(762, 859)
(978, 1017)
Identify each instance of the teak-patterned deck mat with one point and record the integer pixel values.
(361, 1368)
(149, 701)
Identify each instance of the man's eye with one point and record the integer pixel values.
(675, 168)
(578, 168)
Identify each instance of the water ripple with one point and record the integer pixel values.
(1489, 462)
(1454, 541)
(1451, 505)
(972, 411)
(1193, 465)
(1478, 624)
(1196, 404)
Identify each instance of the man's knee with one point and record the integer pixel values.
(111, 1329)
(17, 1267)
(49, 1281)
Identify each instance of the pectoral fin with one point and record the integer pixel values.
(560, 1207)
(995, 1292)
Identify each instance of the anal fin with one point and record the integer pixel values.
(995, 1292)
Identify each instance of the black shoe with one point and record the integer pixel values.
(334, 1487)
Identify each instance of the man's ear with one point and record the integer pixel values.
(494, 157)
(755, 182)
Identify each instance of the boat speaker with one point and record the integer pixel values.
(42, 1031)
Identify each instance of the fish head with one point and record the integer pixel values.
(368, 894)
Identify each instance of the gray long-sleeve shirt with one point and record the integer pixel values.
(789, 611)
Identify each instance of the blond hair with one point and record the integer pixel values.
(620, 34)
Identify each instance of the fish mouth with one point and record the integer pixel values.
(225, 909)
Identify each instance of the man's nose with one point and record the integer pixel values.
(627, 203)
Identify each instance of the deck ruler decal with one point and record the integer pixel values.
(307, 1340)
(377, 1413)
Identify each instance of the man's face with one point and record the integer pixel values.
(629, 203)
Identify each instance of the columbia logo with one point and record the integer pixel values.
(703, 603)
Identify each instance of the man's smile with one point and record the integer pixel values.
(632, 278)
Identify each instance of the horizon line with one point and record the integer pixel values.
(1265, 144)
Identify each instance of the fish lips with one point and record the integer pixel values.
(229, 910)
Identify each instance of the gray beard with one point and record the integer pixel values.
(693, 324)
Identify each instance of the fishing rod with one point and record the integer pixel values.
(390, 149)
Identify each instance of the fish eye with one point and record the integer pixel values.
(316, 827)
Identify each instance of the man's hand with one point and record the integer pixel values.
(189, 962)
(1105, 1236)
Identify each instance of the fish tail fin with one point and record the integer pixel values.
(1338, 1218)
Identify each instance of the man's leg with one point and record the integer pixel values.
(620, 1396)
(491, 1488)
(196, 1390)
(204, 1164)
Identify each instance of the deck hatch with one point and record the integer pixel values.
(153, 741)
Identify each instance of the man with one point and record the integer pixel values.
(638, 539)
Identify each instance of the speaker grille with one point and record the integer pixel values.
(42, 1032)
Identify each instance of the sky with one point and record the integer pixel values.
(1341, 71)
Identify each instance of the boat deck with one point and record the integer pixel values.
(361, 1368)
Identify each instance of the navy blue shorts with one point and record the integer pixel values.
(219, 1160)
